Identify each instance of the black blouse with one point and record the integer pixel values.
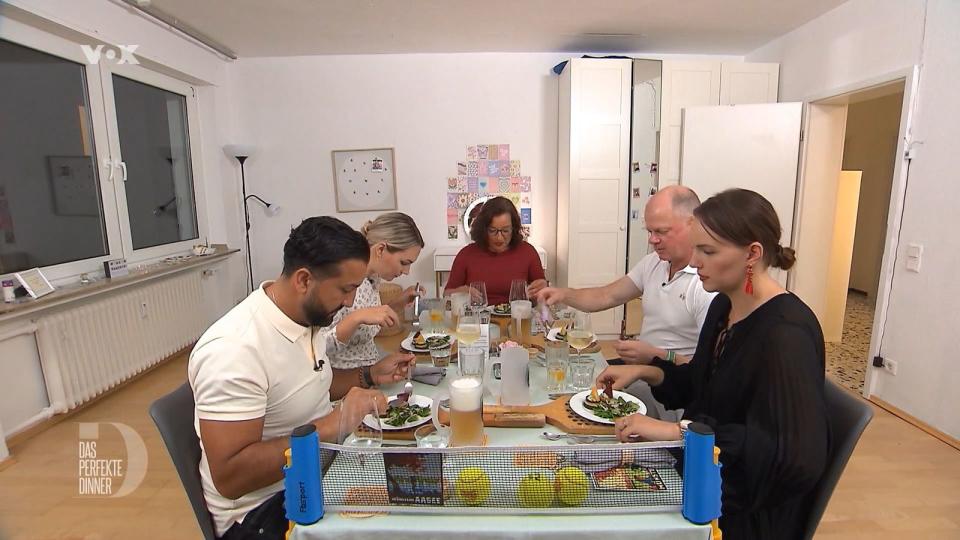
(759, 385)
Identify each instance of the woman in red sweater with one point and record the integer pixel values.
(497, 256)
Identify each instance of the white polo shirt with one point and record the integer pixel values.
(255, 362)
(673, 309)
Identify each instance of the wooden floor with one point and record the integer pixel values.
(900, 483)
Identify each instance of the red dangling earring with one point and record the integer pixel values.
(749, 287)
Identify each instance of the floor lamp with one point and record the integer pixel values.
(241, 152)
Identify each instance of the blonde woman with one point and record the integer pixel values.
(395, 244)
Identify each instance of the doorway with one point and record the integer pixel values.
(850, 179)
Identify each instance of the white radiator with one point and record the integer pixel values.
(92, 348)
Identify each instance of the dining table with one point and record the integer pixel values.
(608, 525)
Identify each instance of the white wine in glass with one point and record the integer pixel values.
(468, 326)
(579, 339)
(580, 332)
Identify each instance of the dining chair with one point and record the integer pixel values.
(173, 415)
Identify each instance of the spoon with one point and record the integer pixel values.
(583, 439)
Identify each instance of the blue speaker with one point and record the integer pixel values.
(302, 483)
(701, 475)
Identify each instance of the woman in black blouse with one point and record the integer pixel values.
(757, 376)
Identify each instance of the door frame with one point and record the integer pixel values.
(911, 78)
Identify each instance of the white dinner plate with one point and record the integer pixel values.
(576, 403)
(423, 401)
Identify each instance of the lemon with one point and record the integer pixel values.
(473, 486)
(572, 486)
(535, 491)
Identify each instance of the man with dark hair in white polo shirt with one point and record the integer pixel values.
(260, 371)
(674, 302)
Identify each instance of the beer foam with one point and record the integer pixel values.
(521, 309)
(466, 393)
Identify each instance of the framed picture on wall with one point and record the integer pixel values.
(365, 180)
(74, 185)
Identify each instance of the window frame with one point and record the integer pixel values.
(163, 82)
(71, 51)
(98, 85)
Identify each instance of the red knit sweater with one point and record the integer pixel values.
(497, 270)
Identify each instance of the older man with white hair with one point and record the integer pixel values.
(674, 302)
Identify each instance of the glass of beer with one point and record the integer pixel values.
(466, 411)
(521, 312)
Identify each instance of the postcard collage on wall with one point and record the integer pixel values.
(487, 171)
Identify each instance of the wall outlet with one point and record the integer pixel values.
(143, 310)
(890, 366)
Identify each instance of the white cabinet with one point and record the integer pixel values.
(743, 83)
(685, 84)
(705, 83)
(592, 194)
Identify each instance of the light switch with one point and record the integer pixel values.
(914, 257)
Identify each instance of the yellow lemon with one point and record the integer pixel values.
(572, 486)
(535, 491)
(473, 486)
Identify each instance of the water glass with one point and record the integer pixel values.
(428, 437)
(440, 356)
(470, 362)
(581, 372)
(557, 356)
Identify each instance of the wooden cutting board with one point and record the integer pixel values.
(559, 414)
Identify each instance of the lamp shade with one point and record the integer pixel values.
(239, 150)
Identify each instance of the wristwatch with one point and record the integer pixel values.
(684, 425)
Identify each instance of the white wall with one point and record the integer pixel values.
(865, 39)
(857, 40)
(873, 128)
(428, 107)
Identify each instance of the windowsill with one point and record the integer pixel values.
(78, 291)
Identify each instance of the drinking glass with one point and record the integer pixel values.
(521, 313)
(581, 372)
(478, 295)
(470, 362)
(557, 358)
(468, 326)
(518, 290)
(580, 332)
(363, 436)
(466, 411)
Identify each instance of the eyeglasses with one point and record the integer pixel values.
(502, 232)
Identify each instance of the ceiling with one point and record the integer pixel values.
(312, 27)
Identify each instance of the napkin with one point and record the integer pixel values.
(428, 375)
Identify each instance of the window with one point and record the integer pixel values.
(96, 160)
(152, 125)
(50, 201)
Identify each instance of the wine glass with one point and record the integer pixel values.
(468, 326)
(478, 295)
(369, 434)
(580, 332)
(518, 290)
